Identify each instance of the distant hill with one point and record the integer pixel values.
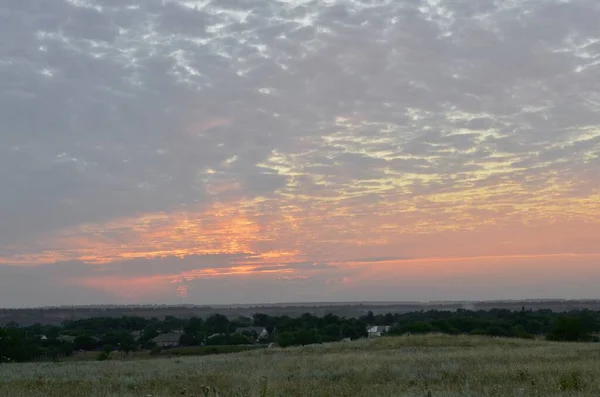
(56, 315)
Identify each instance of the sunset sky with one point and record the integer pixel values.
(244, 151)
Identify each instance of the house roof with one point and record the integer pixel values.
(256, 330)
(380, 328)
(167, 338)
(66, 338)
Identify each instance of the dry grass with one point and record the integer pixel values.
(168, 353)
(436, 366)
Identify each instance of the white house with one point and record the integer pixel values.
(378, 330)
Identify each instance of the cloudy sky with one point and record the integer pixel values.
(240, 151)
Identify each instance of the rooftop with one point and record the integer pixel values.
(169, 338)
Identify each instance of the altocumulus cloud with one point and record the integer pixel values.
(181, 140)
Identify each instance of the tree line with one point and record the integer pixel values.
(129, 333)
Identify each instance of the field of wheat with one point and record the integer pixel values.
(436, 366)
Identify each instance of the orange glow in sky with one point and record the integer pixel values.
(450, 235)
(189, 153)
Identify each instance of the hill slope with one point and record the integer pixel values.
(432, 365)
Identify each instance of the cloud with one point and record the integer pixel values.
(321, 132)
(141, 280)
(496, 277)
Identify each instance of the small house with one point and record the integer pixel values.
(66, 338)
(167, 340)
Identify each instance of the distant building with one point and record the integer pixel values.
(136, 334)
(66, 338)
(378, 330)
(167, 340)
(257, 333)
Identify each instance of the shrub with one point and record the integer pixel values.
(569, 329)
(155, 350)
(571, 382)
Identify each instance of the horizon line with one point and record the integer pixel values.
(303, 304)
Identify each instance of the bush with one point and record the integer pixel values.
(571, 382)
(207, 350)
(299, 338)
(155, 350)
(570, 329)
(103, 356)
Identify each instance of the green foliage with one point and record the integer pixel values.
(571, 382)
(218, 323)
(191, 338)
(240, 339)
(20, 344)
(298, 338)
(85, 342)
(127, 344)
(156, 350)
(204, 350)
(26, 344)
(419, 327)
(571, 329)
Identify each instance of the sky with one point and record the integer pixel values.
(250, 151)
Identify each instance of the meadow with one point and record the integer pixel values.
(164, 353)
(423, 366)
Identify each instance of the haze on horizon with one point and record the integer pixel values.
(245, 151)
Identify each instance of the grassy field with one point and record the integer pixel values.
(436, 366)
(168, 353)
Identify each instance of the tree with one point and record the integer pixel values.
(218, 339)
(217, 323)
(419, 327)
(261, 320)
(191, 339)
(194, 325)
(24, 343)
(570, 329)
(370, 319)
(127, 344)
(148, 333)
(302, 337)
(239, 339)
(171, 323)
(85, 342)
